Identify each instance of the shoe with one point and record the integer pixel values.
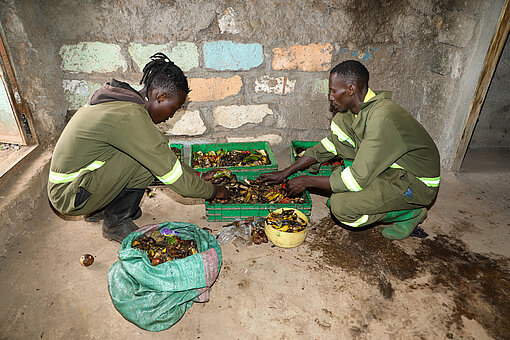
(403, 223)
(119, 213)
(119, 232)
(99, 216)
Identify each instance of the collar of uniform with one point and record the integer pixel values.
(370, 94)
(370, 97)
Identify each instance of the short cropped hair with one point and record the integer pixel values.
(352, 71)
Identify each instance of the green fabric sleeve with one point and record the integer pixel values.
(335, 181)
(380, 148)
(188, 169)
(138, 137)
(319, 152)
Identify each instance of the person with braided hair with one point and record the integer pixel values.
(110, 151)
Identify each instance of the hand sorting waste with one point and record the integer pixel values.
(251, 191)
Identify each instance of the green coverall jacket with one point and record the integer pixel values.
(110, 144)
(396, 163)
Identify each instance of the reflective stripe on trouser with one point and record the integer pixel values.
(432, 182)
(57, 177)
(385, 193)
(119, 172)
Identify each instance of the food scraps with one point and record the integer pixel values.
(177, 152)
(252, 192)
(287, 221)
(222, 158)
(300, 151)
(246, 232)
(164, 245)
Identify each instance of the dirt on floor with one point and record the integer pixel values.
(338, 284)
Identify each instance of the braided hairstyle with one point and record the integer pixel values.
(162, 73)
(352, 71)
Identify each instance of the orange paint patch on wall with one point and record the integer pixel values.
(209, 89)
(310, 58)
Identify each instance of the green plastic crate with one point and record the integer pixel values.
(325, 170)
(236, 146)
(231, 211)
(178, 146)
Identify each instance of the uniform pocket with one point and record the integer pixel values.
(418, 192)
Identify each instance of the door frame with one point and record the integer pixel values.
(19, 106)
(489, 67)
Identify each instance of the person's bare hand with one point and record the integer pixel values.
(208, 175)
(222, 193)
(297, 185)
(272, 178)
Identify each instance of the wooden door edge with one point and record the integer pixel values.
(489, 67)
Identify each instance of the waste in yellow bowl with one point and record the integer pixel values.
(286, 239)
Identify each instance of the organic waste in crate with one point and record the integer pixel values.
(165, 245)
(287, 220)
(252, 192)
(300, 151)
(248, 231)
(178, 152)
(223, 158)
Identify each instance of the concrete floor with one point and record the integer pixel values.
(337, 285)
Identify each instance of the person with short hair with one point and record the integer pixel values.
(110, 151)
(395, 170)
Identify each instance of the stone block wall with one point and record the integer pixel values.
(238, 98)
(258, 70)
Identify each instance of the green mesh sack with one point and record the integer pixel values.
(156, 297)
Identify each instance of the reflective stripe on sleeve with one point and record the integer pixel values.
(57, 177)
(173, 175)
(342, 136)
(358, 222)
(329, 146)
(349, 180)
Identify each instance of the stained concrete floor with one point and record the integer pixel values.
(337, 285)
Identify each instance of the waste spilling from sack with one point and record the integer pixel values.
(155, 297)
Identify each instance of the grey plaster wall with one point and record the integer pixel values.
(33, 51)
(492, 131)
(425, 51)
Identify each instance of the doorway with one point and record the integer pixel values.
(17, 134)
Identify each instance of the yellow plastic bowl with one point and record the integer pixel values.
(286, 239)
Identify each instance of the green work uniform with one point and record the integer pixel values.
(396, 163)
(111, 144)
